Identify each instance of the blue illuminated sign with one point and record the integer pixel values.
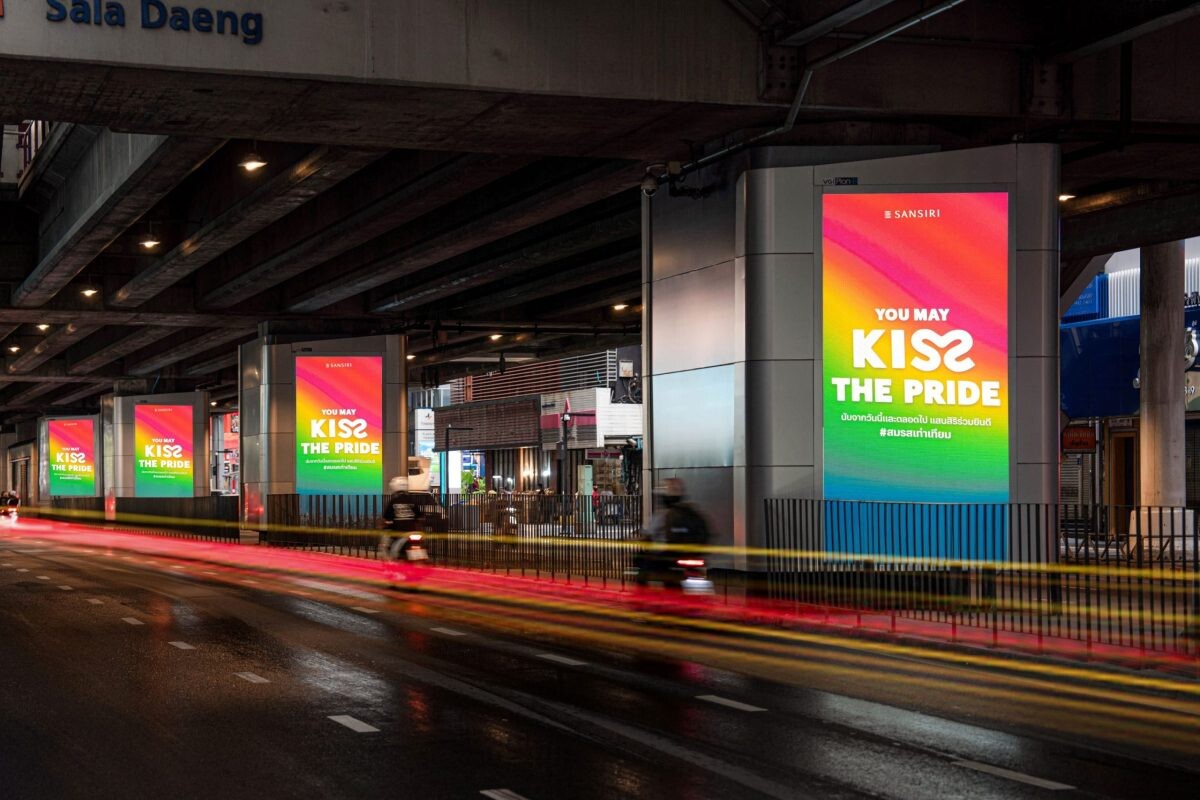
(155, 14)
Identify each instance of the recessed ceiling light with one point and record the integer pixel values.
(213, 403)
(43, 327)
(1062, 198)
(149, 243)
(90, 292)
(411, 357)
(14, 349)
(495, 337)
(620, 307)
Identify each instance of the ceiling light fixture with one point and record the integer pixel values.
(253, 162)
(90, 292)
(411, 357)
(495, 337)
(620, 307)
(43, 327)
(15, 349)
(150, 241)
(213, 403)
(1062, 198)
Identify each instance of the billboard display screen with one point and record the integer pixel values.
(72, 457)
(915, 344)
(165, 440)
(339, 425)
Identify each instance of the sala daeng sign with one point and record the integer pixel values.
(156, 15)
(915, 327)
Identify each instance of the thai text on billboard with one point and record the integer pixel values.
(72, 457)
(165, 441)
(339, 425)
(915, 342)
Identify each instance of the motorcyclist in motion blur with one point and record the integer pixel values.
(405, 517)
(677, 528)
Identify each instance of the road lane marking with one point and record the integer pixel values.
(177, 566)
(356, 725)
(723, 701)
(95, 602)
(67, 588)
(250, 677)
(247, 580)
(502, 794)
(22, 570)
(181, 645)
(448, 632)
(570, 662)
(209, 572)
(1019, 777)
(365, 610)
(132, 621)
(43, 577)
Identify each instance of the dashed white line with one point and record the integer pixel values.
(502, 794)
(43, 577)
(247, 580)
(181, 645)
(570, 662)
(22, 570)
(250, 677)
(356, 725)
(209, 572)
(448, 632)
(365, 610)
(132, 621)
(95, 601)
(177, 566)
(723, 701)
(1020, 777)
(67, 588)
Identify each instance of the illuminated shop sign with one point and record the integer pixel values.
(155, 14)
(916, 383)
(164, 437)
(339, 424)
(72, 457)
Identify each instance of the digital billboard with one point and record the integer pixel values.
(915, 344)
(164, 438)
(339, 424)
(72, 457)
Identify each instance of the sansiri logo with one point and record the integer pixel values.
(912, 213)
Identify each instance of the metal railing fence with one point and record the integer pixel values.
(212, 518)
(1116, 575)
(515, 534)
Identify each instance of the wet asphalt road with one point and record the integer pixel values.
(127, 677)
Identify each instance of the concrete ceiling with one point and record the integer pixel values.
(457, 214)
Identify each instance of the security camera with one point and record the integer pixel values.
(649, 185)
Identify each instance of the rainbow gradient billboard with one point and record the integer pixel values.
(915, 327)
(165, 438)
(72, 457)
(339, 424)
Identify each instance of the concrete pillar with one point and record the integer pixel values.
(1162, 427)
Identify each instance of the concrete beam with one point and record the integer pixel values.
(120, 178)
(193, 347)
(212, 365)
(559, 281)
(844, 16)
(51, 346)
(500, 268)
(24, 398)
(323, 168)
(1163, 219)
(121, 348)
(591, 186)
(453, 178)
(99, 317)
(82, 393)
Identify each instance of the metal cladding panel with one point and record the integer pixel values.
(692, 234)
(779, 414)
(694, 418)
(1036, 309)
(513, 422)
(694, 318)
(778, 211)
(780, 295)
